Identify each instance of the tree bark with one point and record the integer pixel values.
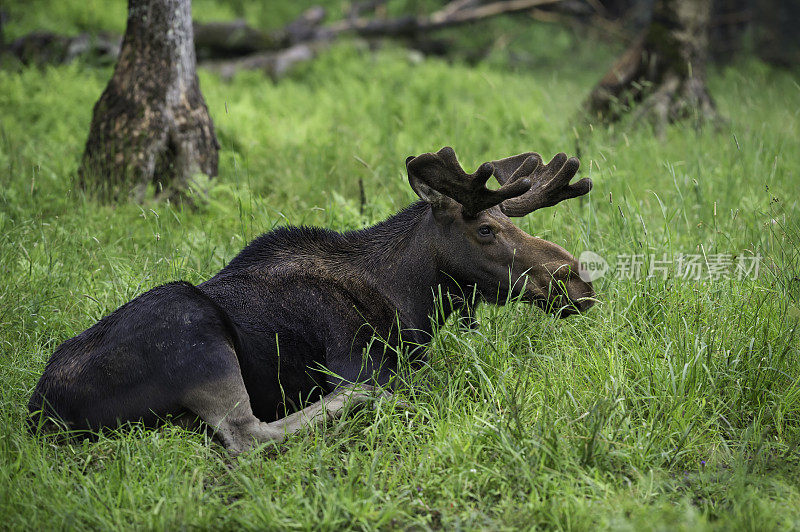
(663, 74)
(151, 124)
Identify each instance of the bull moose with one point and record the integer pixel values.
(293, 317)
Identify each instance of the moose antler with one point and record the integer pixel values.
(435, 177)
(549, 182)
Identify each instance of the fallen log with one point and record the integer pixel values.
(455, 13)
(227, 47)
(229, 39)
(273, 63)
(219, 40)
(41, 47)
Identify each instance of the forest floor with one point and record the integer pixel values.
(673, 404)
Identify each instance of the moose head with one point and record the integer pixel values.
(479, 245)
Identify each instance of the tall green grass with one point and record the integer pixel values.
(673, 403)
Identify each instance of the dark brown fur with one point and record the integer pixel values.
(295, 316)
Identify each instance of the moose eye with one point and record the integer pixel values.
(485, 230)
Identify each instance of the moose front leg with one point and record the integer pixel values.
(329, 407)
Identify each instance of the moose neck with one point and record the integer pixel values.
(399, 255)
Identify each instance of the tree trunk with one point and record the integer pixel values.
(151, 125)
(664, 72)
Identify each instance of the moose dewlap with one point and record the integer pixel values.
(291, 319)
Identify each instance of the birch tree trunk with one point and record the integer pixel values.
(151, 124)
(663, 74)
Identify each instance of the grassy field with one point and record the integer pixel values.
(673, 404)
